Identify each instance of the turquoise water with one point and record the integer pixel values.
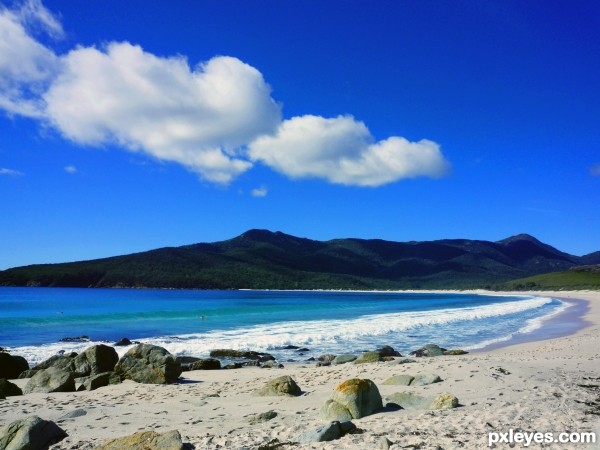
(189, 322)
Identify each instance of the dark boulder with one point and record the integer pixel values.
(12, 366)
(94, 360)
(94, 382)
(123, 342)
(206, 364)
(245, 354)
(8, 389)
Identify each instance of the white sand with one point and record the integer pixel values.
(542, 393)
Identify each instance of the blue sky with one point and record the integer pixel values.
(127, 126)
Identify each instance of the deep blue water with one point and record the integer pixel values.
(191, 322)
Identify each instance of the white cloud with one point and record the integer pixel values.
(216, 118)
(26, 66)
(259, 192)
(198, 118)
(341, 150)
(10, 172)
(71, 169)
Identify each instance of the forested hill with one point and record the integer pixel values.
(261, 259)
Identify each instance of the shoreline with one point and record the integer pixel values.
(544, 385)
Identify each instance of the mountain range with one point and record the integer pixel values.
(261, 259)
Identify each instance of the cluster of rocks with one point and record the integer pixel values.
(430, 350)
(353, 399)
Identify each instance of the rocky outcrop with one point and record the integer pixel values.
(280, 386)
(8, 389)
(49, 380)
(146, 440)
(386, 350)
(94, 382)
(148, 364)
(12, 366)
(352, 399)
(400, 380)
(31, 433)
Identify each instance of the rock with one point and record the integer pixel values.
(368, 357)
(148, 364)
(343, 359)
(355, 397)
(290, 347)
(146, 440)
(27, 374)
(49, 380)
(386, 350)
(326, 433)
(455, 352)
(206, 364)
(123, 342)
(59, 362)
(444, 401)
(283, 385)
(326, 358)
(230, 353)
(233, 366)
(262, 417)
(429, 350)
(31, 433)
(8, 389)
(12, 366)
(404, 361)
(271, 365)
(408, 400)
(76, 339)
(73, 414)
(303, 350)
(323, 364)
(425, 378)
(384, 443)
(95, 360)
(400, 380)
(94, 382)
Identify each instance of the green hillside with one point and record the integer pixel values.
(569, 280)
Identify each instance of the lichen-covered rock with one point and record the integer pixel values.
(368, 357)
(149, 364)
(12, 366)
(455, 352)
(31, 433)
(146, 440)
(400, 380)
(8, 389)
(444, 401)
(49, 380)
(64, 362)
(279, 386)
(94, 382)
(359, 397)
(95, 360)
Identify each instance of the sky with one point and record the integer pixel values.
(129, 126)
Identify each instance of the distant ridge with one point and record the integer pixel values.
(262, 259)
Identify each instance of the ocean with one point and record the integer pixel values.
(34, 321)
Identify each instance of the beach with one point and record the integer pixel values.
(546, 383)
